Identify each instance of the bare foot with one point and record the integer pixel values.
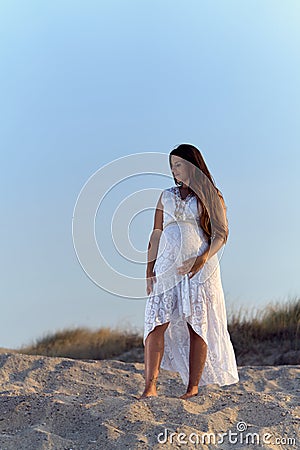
(150, 388)
(148, 393)
(189, 394)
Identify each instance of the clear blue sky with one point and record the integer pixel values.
(84, 83)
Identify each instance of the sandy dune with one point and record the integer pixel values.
(61, 403)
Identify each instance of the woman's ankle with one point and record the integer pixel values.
(151, 382)
(192, 388)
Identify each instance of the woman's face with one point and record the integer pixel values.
(180, 169)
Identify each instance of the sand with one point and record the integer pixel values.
(61, 403)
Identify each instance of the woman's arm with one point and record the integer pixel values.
(155, 237)
(192, 265)
(217, 241)
(215, 246)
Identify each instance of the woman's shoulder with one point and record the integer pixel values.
(169, 189)
(165, 193)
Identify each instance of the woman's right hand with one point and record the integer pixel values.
(151, 278)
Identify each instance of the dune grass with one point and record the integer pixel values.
(82, 343)
(277, 323)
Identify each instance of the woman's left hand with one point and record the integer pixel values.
(192, 265)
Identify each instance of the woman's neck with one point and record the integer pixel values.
(185, 188)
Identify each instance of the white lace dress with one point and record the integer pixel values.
(199, 301)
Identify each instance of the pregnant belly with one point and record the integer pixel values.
(177, 243)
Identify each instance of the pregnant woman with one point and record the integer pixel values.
(185, 327)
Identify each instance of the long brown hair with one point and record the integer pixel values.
(205, 189)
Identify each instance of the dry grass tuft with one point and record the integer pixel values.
(275, 328)
(82, 343)
(268, 336)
